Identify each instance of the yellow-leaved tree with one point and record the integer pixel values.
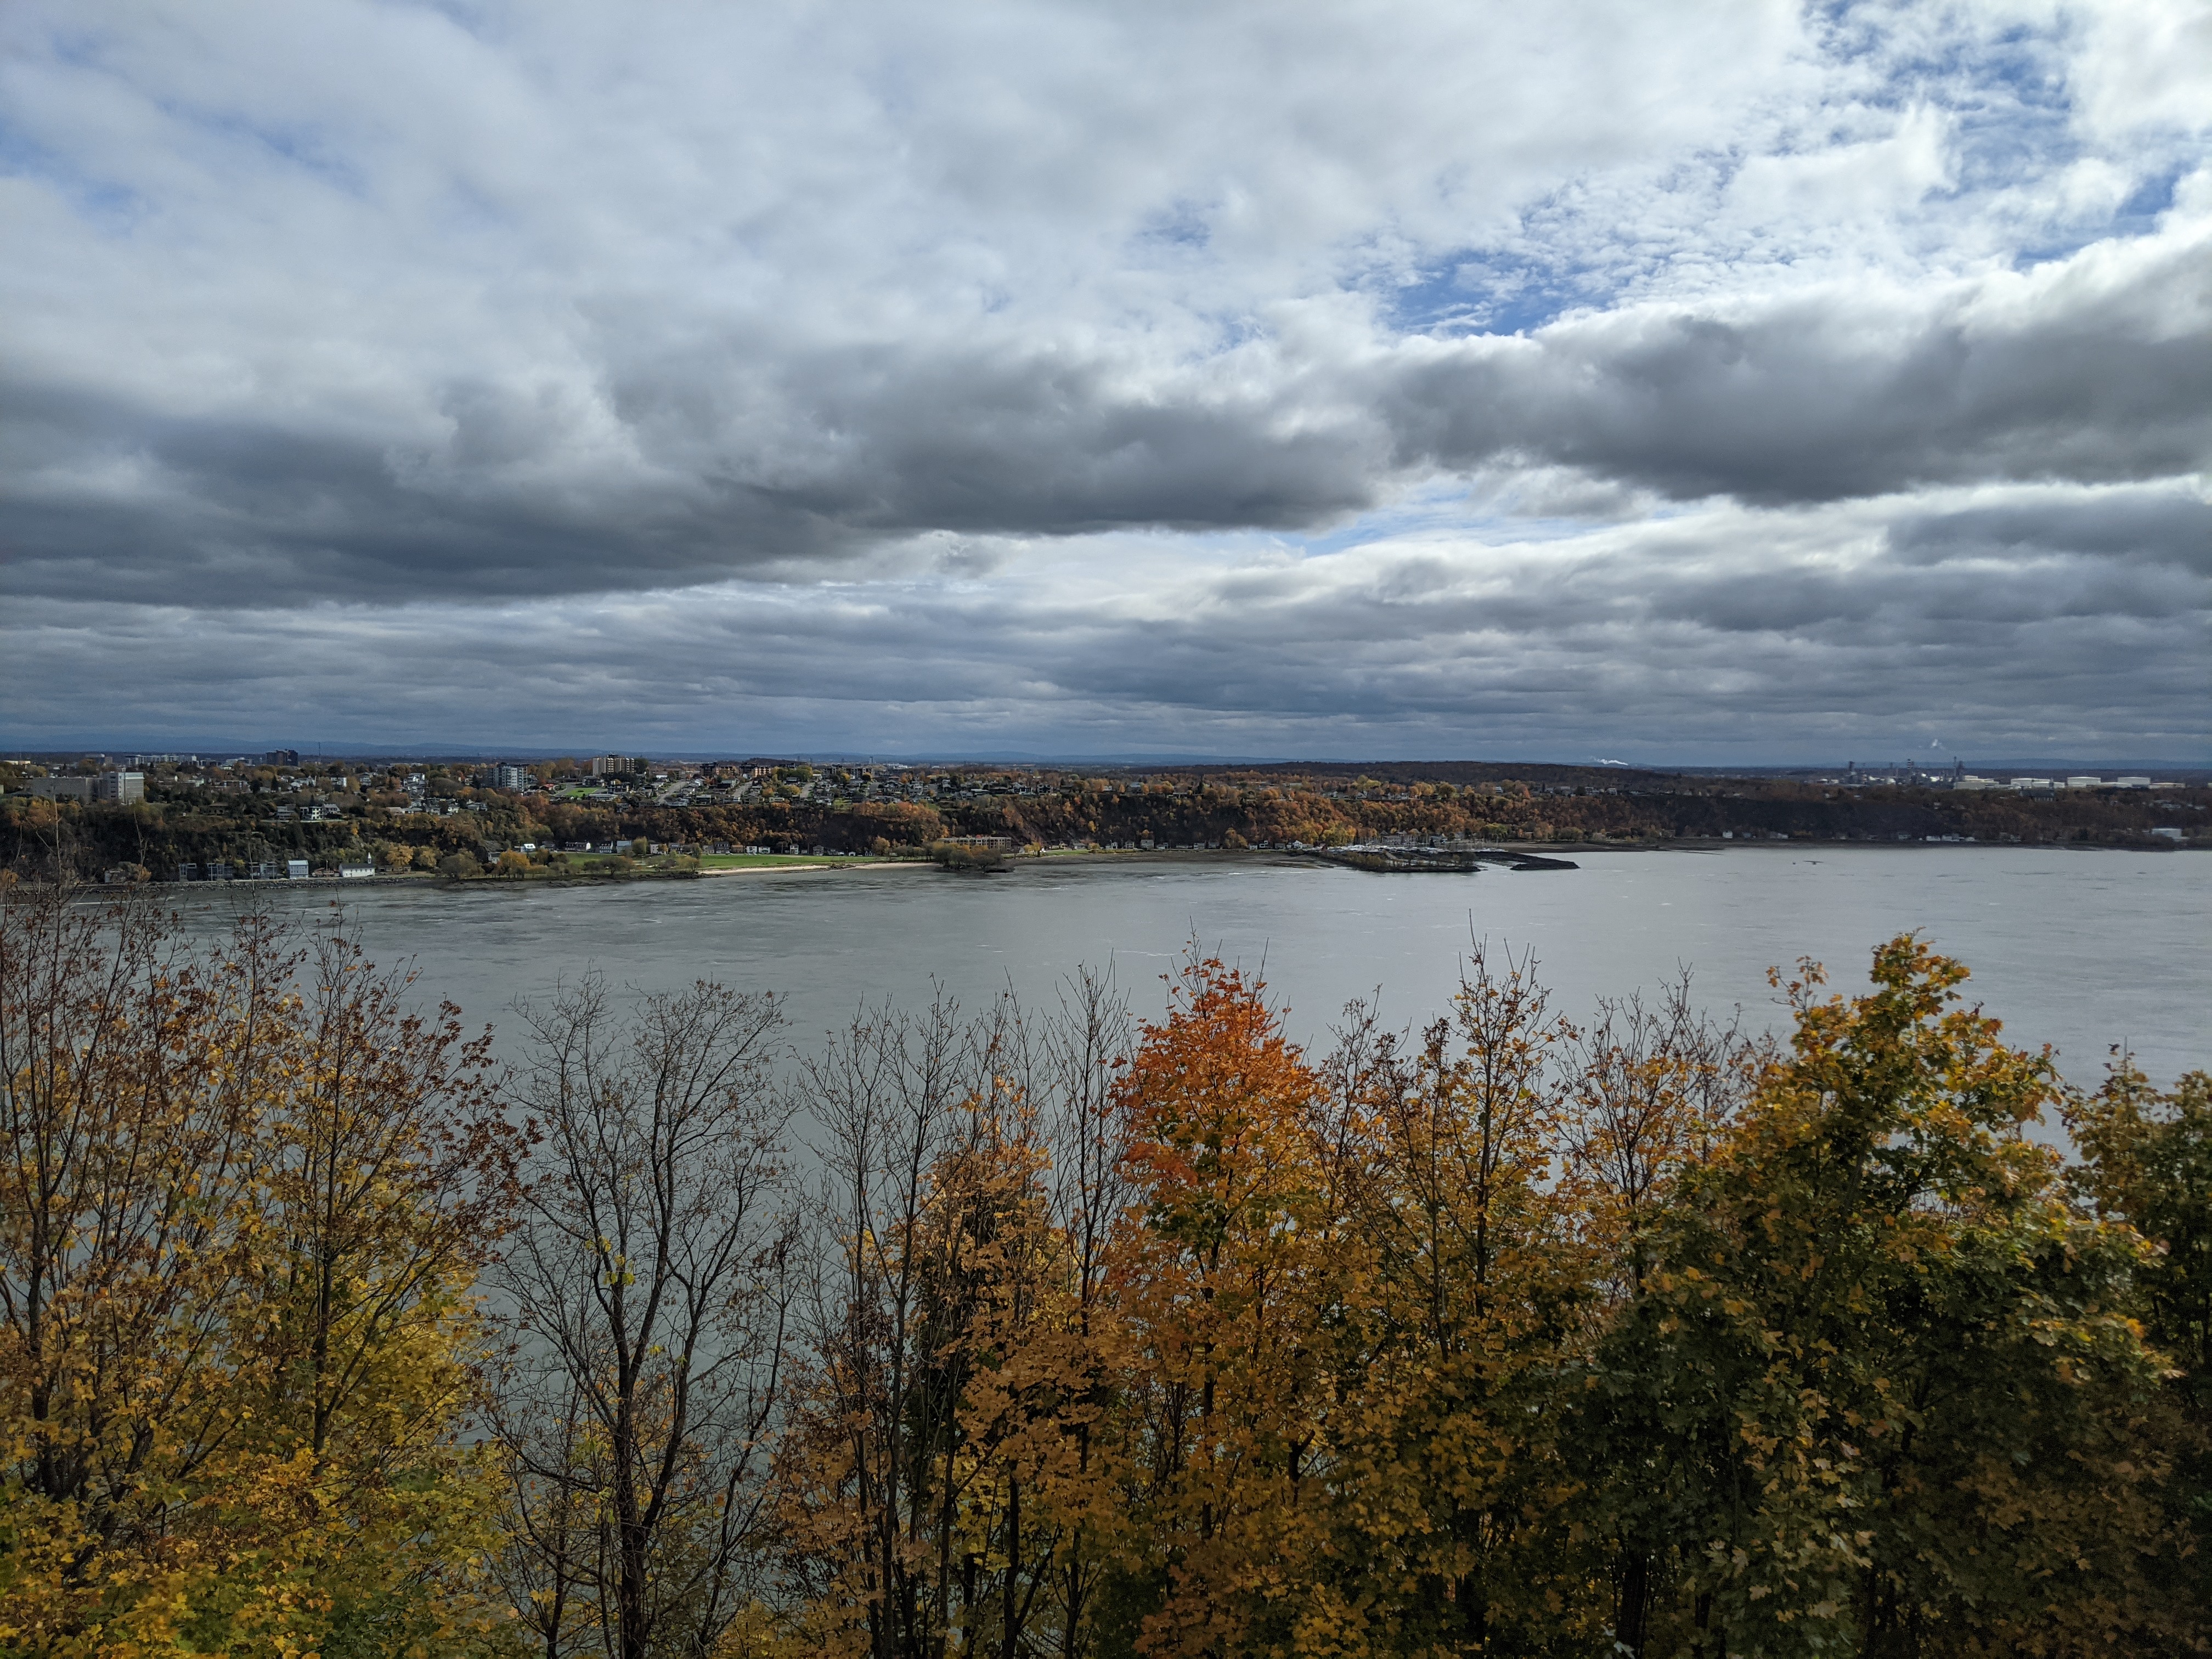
(245, 1193)
(1879, 1391)
(953, 1469)
(1464, 1276)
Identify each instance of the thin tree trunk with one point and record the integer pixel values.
(1008, 1637)
(1633, 1598)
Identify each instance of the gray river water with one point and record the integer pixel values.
(2081, 950)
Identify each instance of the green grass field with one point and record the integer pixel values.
(765, 861)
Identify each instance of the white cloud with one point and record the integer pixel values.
(940, 354)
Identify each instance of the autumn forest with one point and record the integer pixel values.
(1047, 1330)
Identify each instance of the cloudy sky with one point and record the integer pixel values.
(1736, 382)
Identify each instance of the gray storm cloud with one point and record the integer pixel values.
(743, 460)
(1078, 375)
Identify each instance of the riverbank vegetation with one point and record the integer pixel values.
(259, 819)
(1046, 1331)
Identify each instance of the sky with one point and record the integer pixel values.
(1706, 383)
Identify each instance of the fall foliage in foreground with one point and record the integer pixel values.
(1063, 1336)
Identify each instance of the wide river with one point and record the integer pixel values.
(2081, 950)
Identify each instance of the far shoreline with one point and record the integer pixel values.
(1179, 855)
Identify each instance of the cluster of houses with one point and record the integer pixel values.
(273, 870)
(2052, 785)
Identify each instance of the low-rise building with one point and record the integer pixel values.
(59, 788)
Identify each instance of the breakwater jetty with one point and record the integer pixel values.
(1384, 858)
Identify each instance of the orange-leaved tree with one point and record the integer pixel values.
(1218, 1270)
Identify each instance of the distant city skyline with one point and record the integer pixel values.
(1748, 384)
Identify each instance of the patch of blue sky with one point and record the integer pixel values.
(85, 52)
(2009, 121)
(1181, 226)
(2138, 216)
(1490, 291)
(2014, 67)
(101, 202)
(1903, 63)
(2152, 200)
(297, 147)
(1445, 508)
(1425, 511)
(470, 210)
(2012, 118)
(2005, 93)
